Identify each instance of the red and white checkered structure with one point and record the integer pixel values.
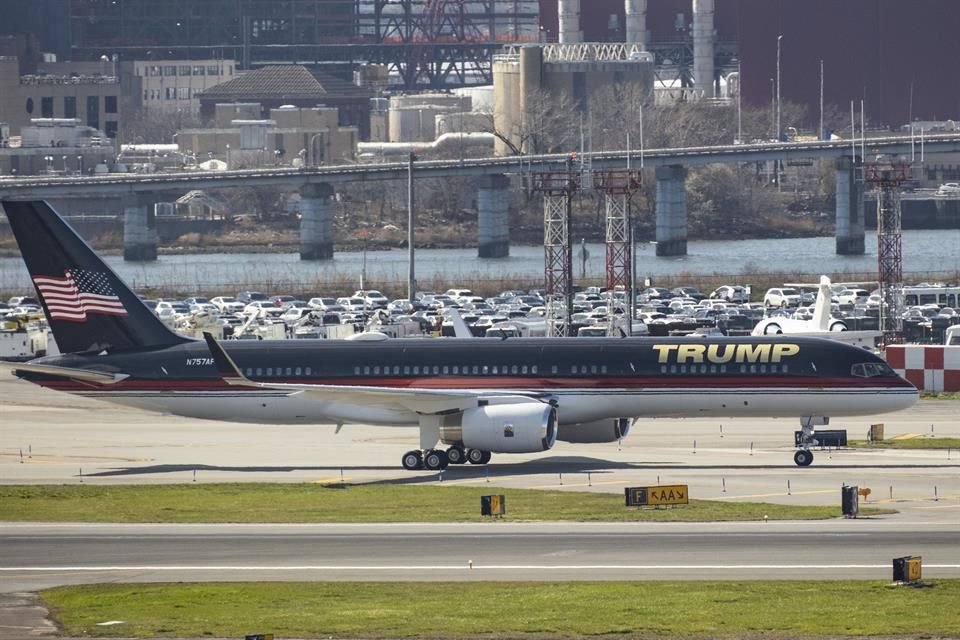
(927, 367)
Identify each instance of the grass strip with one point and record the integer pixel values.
(908, 443)
(746, 609)
(306, 503)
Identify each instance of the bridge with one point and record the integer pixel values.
(317, 186)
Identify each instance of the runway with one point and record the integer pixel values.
(50, 438)
(34, 556)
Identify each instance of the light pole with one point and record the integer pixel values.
(779, 40)
(80, 165)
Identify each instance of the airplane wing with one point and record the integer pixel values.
(415, 400)
(84, 375)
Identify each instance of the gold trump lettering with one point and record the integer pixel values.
(724, 353)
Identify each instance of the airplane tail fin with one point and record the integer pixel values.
(821, 310)
(88, 307)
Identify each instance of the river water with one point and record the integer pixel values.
(926, 252)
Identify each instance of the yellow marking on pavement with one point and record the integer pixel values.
(906, 436)
(575, 484)
(941, 506)
(336, 480)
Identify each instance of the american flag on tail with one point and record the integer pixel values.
(78, 293)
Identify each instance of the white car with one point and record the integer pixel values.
(853, 296)
(731, 293)
(372, 298)
(227, 304)
(321, 303)
(782, 297)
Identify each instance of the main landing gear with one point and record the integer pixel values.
(438, 459)
(804, 457)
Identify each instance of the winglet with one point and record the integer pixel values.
(228, 369)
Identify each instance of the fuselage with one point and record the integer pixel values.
(588, 379)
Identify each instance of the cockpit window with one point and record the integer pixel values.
(871, 370)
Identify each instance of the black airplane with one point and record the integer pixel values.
(475, 396)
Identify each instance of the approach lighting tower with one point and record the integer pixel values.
(618, 187)
(888, 176)
(558, 188)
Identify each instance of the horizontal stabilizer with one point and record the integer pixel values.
(73, 374)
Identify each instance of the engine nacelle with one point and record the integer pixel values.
(523, 427)
(609, 430)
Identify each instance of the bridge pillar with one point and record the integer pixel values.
(849, 228)
(493, 216)
(316, 222)
(671, 211)
(139, 232)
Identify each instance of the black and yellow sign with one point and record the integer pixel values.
(493, 505)
(657, 496)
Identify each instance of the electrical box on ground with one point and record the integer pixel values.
(876, 433)
(493, 505)
(907, 569)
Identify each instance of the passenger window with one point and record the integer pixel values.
(663, 368)
(673, 368)
(603, 368)
(376, 371)
(298, 371)
(456, 370)
(713, 368)
(485, 370)
(269, 371)
(514, 370)
(248, 372)
(366, 371)
(753, 368)
(533, 369)
(259, 371)
(476, 370)
(523, 370)
(396, 370)
(593, 369)
(446, 370)
(436, 370)
(553, 369)
(406, 370)
(289, 371)
(416, 371)
(494, 370)
(307, 371)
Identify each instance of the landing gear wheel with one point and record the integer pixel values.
(803, 458)
(412, 460)
(476, 456)
(435, 460)
(456, 455)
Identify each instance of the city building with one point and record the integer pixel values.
(282, 85)
(529, 77)
(241, 138)
(89, 92)
(171, 86)
(55, 146)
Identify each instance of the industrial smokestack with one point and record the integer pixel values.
(703, 47)
(569, 11)
(636, 21)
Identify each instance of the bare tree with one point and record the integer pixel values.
(144, 127)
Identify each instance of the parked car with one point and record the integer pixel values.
(227, 304)
(782, 297)
(731, 293)
(852, 295)
(372, 298)
(247, 297)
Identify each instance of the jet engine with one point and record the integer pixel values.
(523, 427)
(609, 430)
